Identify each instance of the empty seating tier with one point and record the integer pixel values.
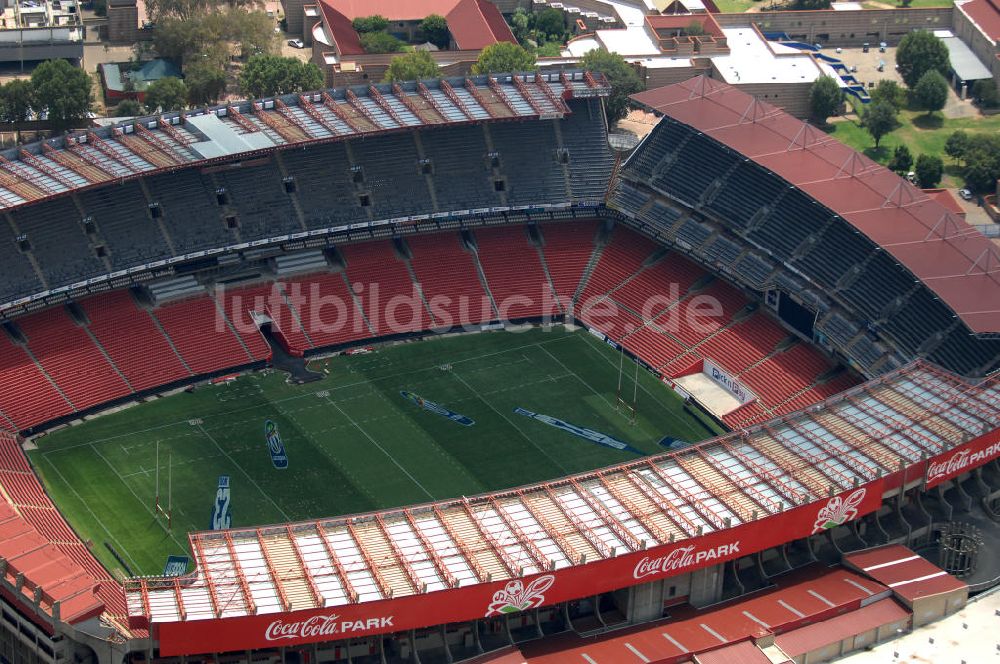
(514, 273)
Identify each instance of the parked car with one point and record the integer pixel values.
(965, 194)
(296, 43)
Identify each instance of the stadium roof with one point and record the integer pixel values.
(780, 471)
(142, 146)
(47, 576)
(473, 24)
(952, 258)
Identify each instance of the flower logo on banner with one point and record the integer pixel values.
(516, 597)
(837, 512)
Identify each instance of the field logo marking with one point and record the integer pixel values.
(222, 516)
(581, 432)
(516, 597)
(437, 409)
(837, 512)
(275, 446)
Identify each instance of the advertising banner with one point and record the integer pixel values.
(723, 379)
(500, 598)
(958, 460)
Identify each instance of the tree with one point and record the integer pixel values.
(519, 24)
(985, 92)
(982, 162)
(205, 82)
(253, 32)
(504, 57)
(918, 53)
(101, 7)
(624, 80)
(826, 98)
(957, 145)
(931, 93)
(694, 29)
(374, 23)
(412, 67)
(16, 100)
(380, 42)
(166, 94)
(550, 22)
(928, 169)
(890, 91)
(63, 92)
(270, 75)
(128, 108)
(434, 29)
(901, 160)
(178, 39)
(880, 119)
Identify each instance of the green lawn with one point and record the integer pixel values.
(921, 133)
(353, 442)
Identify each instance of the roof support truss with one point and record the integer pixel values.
(481, 575)
(207, 574)
(374, 93)
(536, 555)
(13, 180)
(557, 101)
(356, 104)
(338, 567)
(317, 595)
(376, 573)
(661, 536)
(454, 98)
(404, 564)
(75, 162)
(159, 144)
(768, 505)
(471, 88)
(107, 151)
(808, 480)
(37, 163)
(820, 465)
(240, 576)
(275, 577)
(287, 114)
(680, 520)
(526, 93)
(238, 118)
(288, 133)
(588, 534)
(512, 567)
(307, 106)
(442, 569)
(352, 121)
(708, 515)
(568, 550)
(794, 496)
(620, 530)
(421, 113)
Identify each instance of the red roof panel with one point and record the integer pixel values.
(954, 260)
(986, 14)
(738, 653)
(907, 574)
(809, 638)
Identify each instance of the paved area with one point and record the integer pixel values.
(971, 636)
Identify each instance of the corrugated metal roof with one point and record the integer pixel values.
(954, 260)
(965, 63)
(907, 574)
(809, 638)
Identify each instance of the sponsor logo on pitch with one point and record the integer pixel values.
(222, 516)
(682, 558)
(275, 446)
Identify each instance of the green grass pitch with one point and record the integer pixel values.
(353, 443)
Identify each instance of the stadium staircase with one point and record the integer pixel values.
(446, 272)
(513, 269)
(570, 253)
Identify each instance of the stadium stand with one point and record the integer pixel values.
(201, 335)
(447, 274)
(328, 313)
(70, 357)
(568, 251)
(514, 273)
(27, 396)
(123, 220)
(372, 263)
(132, 341)
(58, 241)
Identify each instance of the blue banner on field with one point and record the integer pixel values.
(673, 443)
(437, 409)
(222, 516)
(587, 434)
(275, 446)
(176, 566)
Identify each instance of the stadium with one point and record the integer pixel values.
(442, 371)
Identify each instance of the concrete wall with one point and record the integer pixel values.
(853, 643)
(845, 28)
(294, 16)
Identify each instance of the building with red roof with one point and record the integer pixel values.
(327, 25)
(977, 23)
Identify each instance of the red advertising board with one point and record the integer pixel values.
(963, 458)
(486, 600)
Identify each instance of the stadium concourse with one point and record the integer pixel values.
(868, 399)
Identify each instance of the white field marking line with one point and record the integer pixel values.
(140, 500)
(687, 425)
(245, 473)
(294, 397)
(510, 422)
(96, 518)
(577, 376)
(375, 443)
(311, 435)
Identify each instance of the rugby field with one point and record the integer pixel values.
(353, 442)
